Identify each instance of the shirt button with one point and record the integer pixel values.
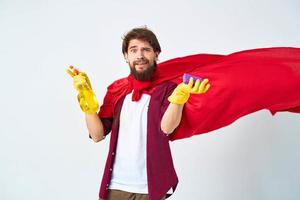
(113, 153)
(110, 169)
(107, 185)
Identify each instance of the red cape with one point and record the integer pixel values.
(241, 83)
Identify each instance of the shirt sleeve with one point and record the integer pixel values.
(170, 86)
(107, 125)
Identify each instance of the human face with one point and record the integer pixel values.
(141, 59)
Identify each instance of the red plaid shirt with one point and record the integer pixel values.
(161, 175)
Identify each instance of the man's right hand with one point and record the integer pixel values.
(81, 82)
(80, 79)
(88, 103)
(86, 97)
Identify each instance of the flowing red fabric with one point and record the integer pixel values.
(241, 83)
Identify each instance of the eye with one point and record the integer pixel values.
(133, 50)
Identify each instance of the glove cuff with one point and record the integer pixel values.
(88, 102)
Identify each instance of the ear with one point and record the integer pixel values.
(126, 57)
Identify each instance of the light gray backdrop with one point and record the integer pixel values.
(45, 152)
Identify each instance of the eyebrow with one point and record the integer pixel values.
(132, 47)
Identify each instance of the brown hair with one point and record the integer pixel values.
(142, 33)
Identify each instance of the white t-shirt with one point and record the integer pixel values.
(130, 170)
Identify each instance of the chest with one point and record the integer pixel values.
(134, 111)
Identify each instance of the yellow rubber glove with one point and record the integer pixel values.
(86, 97)
(81, 81)
(182, 92)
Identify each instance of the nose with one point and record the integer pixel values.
(140, 54)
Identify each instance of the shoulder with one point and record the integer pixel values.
(164, 89)
(168, 85)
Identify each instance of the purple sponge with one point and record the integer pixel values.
(186, 78)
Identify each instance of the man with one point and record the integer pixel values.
(140, 118)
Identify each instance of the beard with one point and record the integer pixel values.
(145, 75)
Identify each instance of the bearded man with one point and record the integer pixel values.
(141, 118)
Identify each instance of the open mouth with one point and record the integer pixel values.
(140, 67)
(141, 64)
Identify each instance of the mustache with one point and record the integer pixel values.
(142, 60)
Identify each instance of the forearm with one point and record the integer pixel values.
(171, 118)
(94, 126)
